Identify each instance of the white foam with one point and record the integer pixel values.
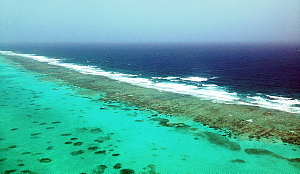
(31, 56)
(277, 97)
(250, 120)
(209, 85)
(207, 91)
(195, 79)
(166, 78)
(274, 102)
(217, 95)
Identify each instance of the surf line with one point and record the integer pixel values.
(217, 115)
(211, 92)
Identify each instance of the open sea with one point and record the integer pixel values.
(49, 126)
(257, 74)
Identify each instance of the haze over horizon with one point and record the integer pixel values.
(155, 21)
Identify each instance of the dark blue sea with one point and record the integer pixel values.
(266, 75)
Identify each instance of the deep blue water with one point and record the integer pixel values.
(245, 69)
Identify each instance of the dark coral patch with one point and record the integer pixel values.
(238, 161)
(118, 166)
(35, 134)
(78, 143)
(100, 152)
(2, 159)
(150, 169)
(99, 141)
(50, 148)
(93, 148)
(78, 152)
(258, 151)
(102, 166)
(29, 172)
(127, 171)
(96, 130)
(45, 160)
(65, 134)
(9, 171)
(179, 125)
(222, 141)
(165, 122)
(162, 121)
(100, 169)
(12, 147)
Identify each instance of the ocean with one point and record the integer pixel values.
(150, 108)
(265, 75)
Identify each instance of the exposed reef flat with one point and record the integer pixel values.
(239, 121)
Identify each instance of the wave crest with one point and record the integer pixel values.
(199, 88)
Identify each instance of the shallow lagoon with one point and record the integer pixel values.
(50, 126)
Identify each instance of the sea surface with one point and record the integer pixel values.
(48, 126)
(265, 75)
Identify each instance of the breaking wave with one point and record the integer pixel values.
(194, 86)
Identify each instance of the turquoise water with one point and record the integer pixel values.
(48, 127)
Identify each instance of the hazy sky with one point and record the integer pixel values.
(150, 21)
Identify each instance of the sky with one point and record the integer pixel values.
(131, 21)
